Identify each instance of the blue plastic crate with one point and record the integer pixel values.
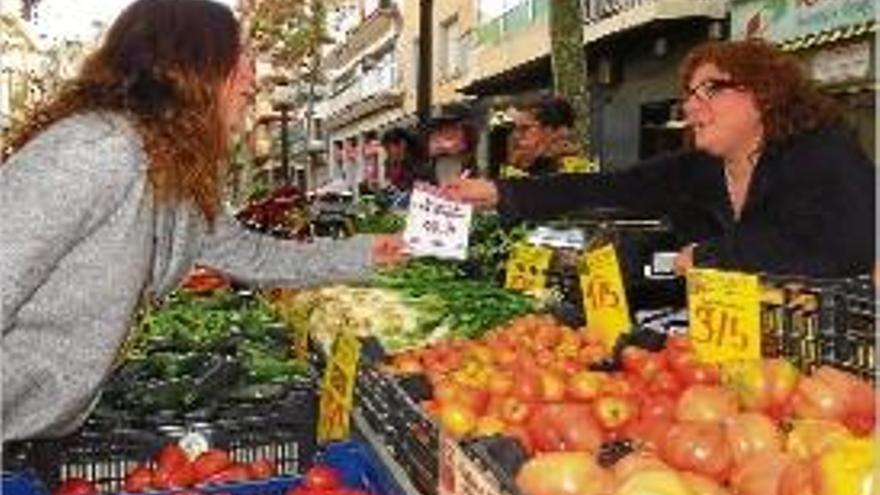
(359, 465)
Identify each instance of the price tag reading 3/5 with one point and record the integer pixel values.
(526, 269)
(605, 301)
(724, 315)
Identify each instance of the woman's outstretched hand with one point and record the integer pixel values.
(389, 250)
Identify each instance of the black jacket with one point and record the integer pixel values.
(809, 210)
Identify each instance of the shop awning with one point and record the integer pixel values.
(839, 34)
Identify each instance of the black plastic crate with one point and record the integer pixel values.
(105, 449)
(410, 436)
(820, 322)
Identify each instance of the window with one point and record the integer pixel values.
(449, 49)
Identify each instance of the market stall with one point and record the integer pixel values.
(474, 376)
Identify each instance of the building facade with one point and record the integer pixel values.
(363, 96)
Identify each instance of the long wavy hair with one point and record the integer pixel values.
(788, 101)
(162, 64)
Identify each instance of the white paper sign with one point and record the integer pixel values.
(437, 226)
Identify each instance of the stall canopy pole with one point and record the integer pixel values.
(425, 64)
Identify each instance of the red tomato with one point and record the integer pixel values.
(706, 403)
(699, 373)
(171, 457)
(324, 477)
(261, 469)
(657, 407)
(678, 343)
(76, 486)
(231, 474)
(665, 382)
(555, 427)
(699, 447)
(180, 477)
(761, 473)
(210, 462)
(138, 480)
(633, 358)
(750, 434)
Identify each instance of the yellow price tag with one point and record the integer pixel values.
(724, 315)
(605, 304)
(526, 268)
(337, 389)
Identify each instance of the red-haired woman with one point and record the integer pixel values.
(773, 182)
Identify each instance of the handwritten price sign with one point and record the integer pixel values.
(436, 226)
(526, 269)
(337, 389)
(605, 302)
(724, 315)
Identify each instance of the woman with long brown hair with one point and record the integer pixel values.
(111, 194)
(773, 182)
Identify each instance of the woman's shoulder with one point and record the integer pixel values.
(94, 127)
(824, 140)
(84, 140)
(828, 147)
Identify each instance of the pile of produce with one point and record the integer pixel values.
(468, 307)
(385, 314)
(664, 424)
(282, 213)
(193, 346)
(513, 381)
(419, 303)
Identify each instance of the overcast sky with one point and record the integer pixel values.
(65, 19)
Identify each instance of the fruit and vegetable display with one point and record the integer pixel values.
(196, 349)
(664, 423)
(282, 213)
(173, 469)
(418, 303)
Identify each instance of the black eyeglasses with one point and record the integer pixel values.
(709, 89)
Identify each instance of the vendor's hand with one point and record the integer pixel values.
(388, 249)
(481, 193)
(684, 260)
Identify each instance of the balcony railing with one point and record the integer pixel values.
(379, 80)
(597, 10)
(514, 19)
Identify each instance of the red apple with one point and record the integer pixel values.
(584, 385)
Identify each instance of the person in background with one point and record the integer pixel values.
(113, 192)
(542, 141)
(773, 183)
(401, 160)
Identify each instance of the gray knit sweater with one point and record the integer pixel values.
(82, 242)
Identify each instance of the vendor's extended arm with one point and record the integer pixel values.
(647, 187)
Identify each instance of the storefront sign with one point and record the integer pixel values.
(337, 389)
(605, 304)
(724, 315)
(526, 268)
(783, 20)
(842, 63)
(437, 226)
